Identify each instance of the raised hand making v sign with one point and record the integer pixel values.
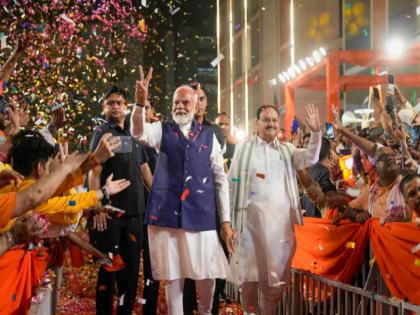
(142, 87)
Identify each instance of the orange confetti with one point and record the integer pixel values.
(133, 237)
(351, 245)
(185, 194)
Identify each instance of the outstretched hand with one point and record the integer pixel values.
(336, 123)
(312, 118)
(142, 86)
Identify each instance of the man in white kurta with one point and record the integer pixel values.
(175, 253)
(265, 207)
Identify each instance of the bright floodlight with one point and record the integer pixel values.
(282, 78)
(239, 134)
(286, 75)
(297, 69)
(395, 48)
(302, 64)
(310, 61)
(322, 51)
(317, 56)
(291, 72)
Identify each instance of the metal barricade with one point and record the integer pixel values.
(312, 294)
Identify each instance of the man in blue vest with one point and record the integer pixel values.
(181, 215)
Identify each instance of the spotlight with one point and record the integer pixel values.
(317, 56)
(282, 78)
(291, 72)
(297, 69)
(272, 82)
(239, 134)
(395, 48)
(310, 61)
(286, 75)
(302, 65)
(322, 51)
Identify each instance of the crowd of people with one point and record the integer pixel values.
(194, 203)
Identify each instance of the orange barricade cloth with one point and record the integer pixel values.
(327, 250)
(338, 252)
(20, 273)
(396, 247)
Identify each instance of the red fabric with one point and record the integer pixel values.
(20, 273)
(76, 256)
(338, 252)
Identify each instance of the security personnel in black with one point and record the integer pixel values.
(119, 234)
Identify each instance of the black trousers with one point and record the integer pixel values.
(151, 287)
(124, 237)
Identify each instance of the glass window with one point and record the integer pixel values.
(237, 57)
(255, 33)
(239, 106)
(238, 15)
(253, 7)
(403, 21)
(356, 15)
(316, 25)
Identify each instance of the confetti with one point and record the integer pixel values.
(72, 203)
(351, 245)
(154, 217)
(372, 261)
(133, 238)
(200, 191)
(415, 248)
(205, 179)
(235, 180)
(185, 194)
(215, 62)
(121, 300)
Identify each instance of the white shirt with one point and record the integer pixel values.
(150, 134)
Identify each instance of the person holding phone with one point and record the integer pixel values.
(119, 234)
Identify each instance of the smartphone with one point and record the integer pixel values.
(415, 136)
(295, 125)
(329, 128)
(390, 109)
(391, 84)
(126, 145)
(376, 93)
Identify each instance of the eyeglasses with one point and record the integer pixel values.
(385, 157)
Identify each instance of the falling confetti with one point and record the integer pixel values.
(351, 245)
(185, 194)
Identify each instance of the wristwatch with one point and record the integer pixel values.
(105, 199)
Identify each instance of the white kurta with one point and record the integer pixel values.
(176, 253)
(267, 244)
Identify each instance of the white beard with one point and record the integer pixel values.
(183, 119)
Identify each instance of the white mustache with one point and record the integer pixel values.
(181, 113)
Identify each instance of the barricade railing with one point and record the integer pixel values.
(312, 294)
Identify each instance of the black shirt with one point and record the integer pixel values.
(216, 129)
(320, 174)
(123, 165)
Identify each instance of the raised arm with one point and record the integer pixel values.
(363, 144)
(149, 134)
(9, 65)
(303, 158)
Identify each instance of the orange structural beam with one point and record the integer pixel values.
(374, 58)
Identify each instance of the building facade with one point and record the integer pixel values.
(260, 39)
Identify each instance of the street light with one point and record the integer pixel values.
(302, 64)
(322, 51)
(310, 61)
(282, 78)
